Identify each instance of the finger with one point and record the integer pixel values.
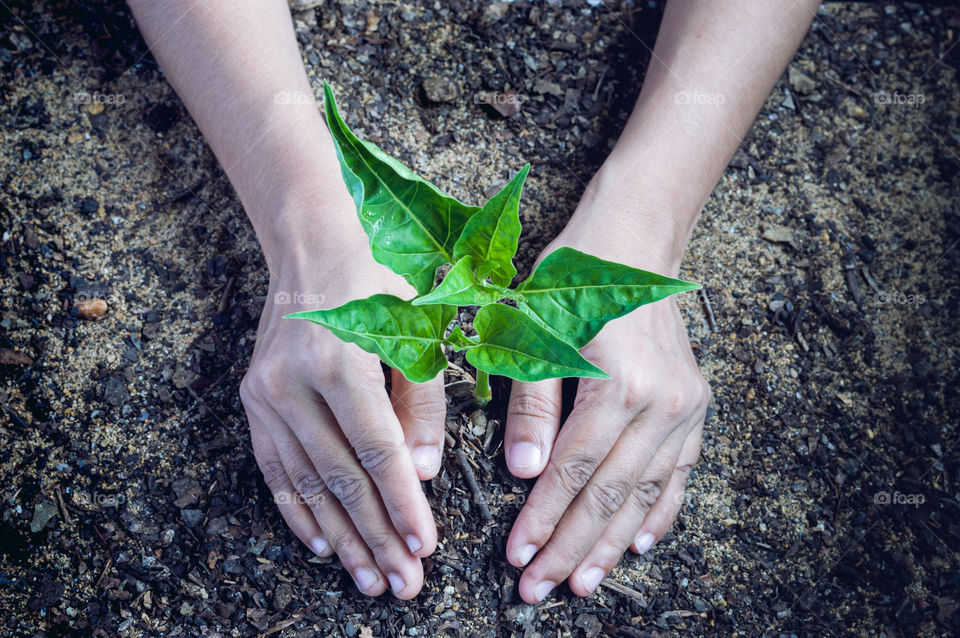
(638, 465)
(289, 459)
(584, 441)
(362, 408)
(661, 516)
(421, 409)
(330, 479)
(622, 531)
(297, 515)
(533, 420)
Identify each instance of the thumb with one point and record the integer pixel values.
(421, 409)
(533, 420)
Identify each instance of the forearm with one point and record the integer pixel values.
(713, 65)
(229, 62)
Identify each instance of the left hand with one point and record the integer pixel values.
(613, 476)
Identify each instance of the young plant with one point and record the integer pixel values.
(414, 228)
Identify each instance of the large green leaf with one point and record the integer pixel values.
(491, 235)
(575, 294)
(412, 226)
(461, 288)
(514, 345)
(404, 336)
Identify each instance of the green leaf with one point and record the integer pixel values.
(575, 294)
(404, 336)
(491, 235)
(514, 345)
(412, 226)
(461, 288)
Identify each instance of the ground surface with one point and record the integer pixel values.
(826, 500)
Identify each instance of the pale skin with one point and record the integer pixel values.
(343, 458)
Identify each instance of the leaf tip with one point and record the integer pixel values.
(599, 373)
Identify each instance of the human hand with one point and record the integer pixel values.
(613, 475)
(341, 457)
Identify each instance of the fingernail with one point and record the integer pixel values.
(366, 578)
(524, 455)
(644, 542)
(413, 544)
(590, 578)
(318, 545)
(525, 553)
(396, 583)
(540, 591)
(426, 457)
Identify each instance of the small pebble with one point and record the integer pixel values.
(91, 308)
(440, 89)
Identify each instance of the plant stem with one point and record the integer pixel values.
(481, 391)
(506, 293)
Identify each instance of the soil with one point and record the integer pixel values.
(826, 498)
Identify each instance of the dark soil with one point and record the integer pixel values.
(826, 500)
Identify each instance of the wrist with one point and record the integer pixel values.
(623, 219)
(308, 227)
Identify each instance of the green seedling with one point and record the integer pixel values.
(414, 229)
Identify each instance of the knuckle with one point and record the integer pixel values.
(378, 542)
(636, 394)
(274, 475)
(346, 487)
(376, 457)
(311, 488)
(605, 499)
(267, 382)
(533, 404)
(618, 540)
(246, 397)
(682, 471)
(646, 493)
(344, 543)
(573, 473)
(320, 373)
(421, 407)
(676, 404)
(706, 394)
(590, 395)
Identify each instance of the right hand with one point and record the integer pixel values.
(343, 459)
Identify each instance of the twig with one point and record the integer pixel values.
(596, 91)
(293, 619)
(225, 299)
(623, 589)
(457, 371)
(802, 342)
(478, 497)
(870, 280)
(63, 506)
(709, 309)
(104, 572)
